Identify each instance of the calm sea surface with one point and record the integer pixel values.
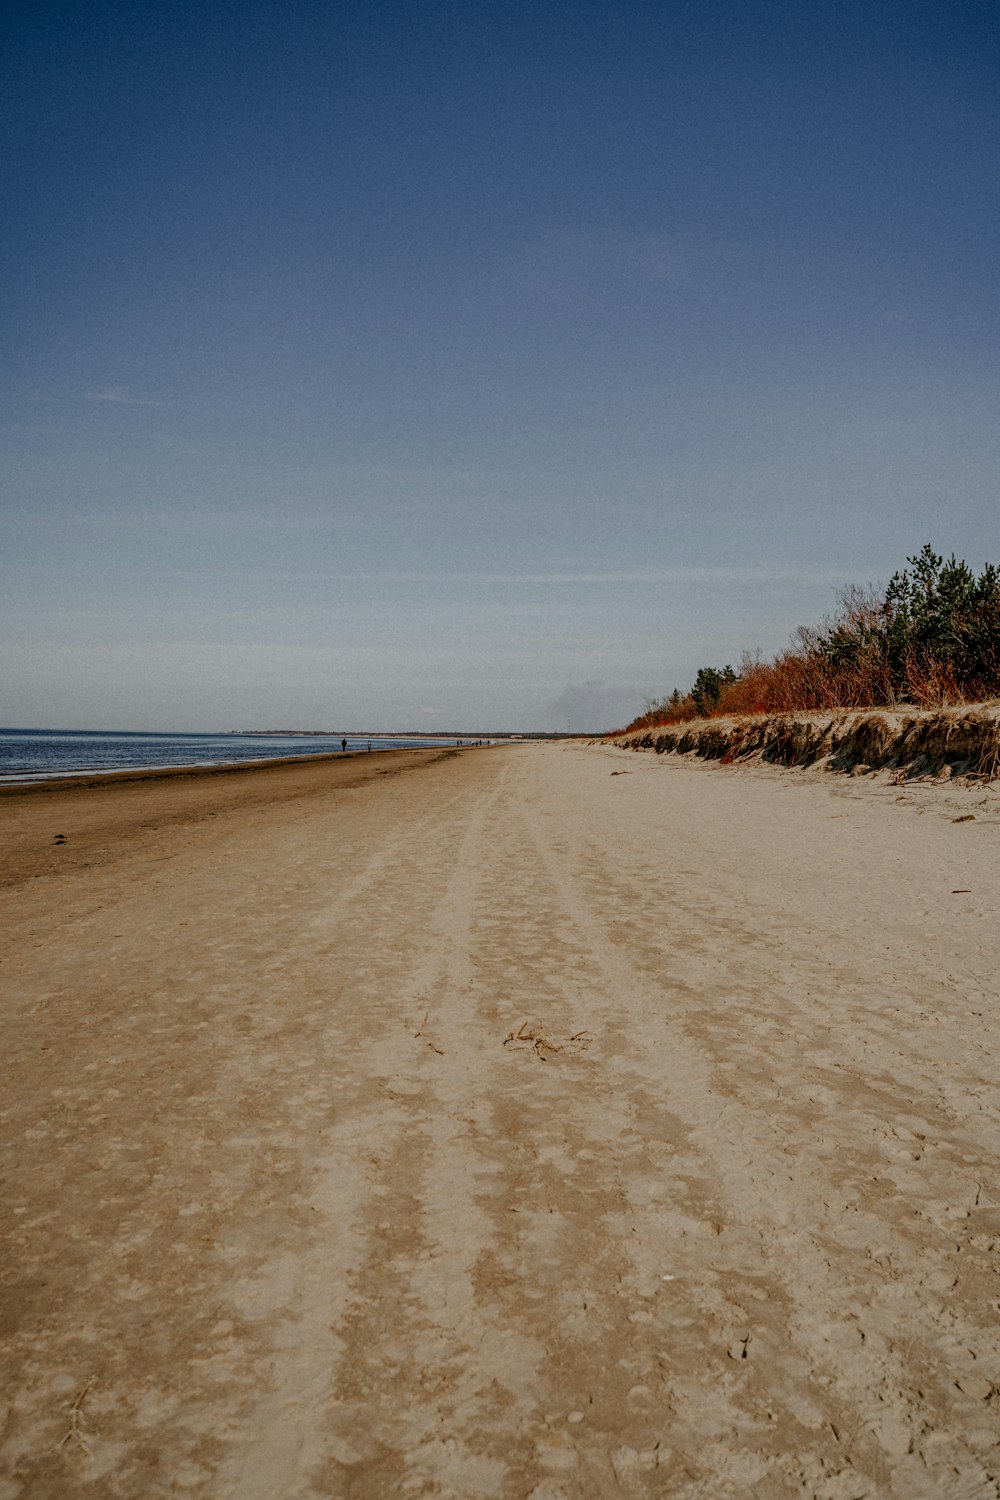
(33, 754)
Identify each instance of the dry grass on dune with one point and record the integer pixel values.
(954, 742)
(930, 639)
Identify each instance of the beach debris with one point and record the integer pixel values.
(621, 773)
(965, 818)
(976, 1387)
(76, 1418)
(738, 1350)
(963, 890)
(527, 1038)
(432, 1045)
(60, 838)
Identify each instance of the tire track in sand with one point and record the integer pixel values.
(750, 1216)
(379, 1251)
(199, 1084)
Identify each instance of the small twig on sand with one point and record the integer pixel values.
(539, 1044)
(422, 1033)
(534, 1039)
(76, 1417)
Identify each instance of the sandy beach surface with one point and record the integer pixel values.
(552, 1121)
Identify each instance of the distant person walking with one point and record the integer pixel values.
(369, 747)
(343, 744)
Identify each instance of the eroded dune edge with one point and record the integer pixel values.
(951, 742)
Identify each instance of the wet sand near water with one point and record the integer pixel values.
(550, 1121)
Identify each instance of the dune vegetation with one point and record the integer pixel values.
(930, 638)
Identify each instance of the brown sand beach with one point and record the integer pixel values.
(544, 1121)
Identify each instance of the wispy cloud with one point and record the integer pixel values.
(117, 395)
(749, 576)
(677, 575)
(574, 266)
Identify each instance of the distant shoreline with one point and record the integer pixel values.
(71, 780)
(27, 757)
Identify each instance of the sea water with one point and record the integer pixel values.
(37, 754)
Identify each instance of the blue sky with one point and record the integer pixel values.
(403, 365)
